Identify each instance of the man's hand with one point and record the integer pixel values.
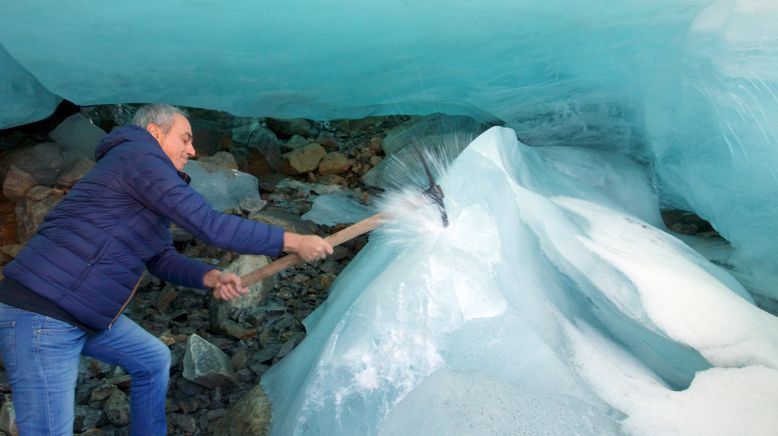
(308, 247)
(226, 286)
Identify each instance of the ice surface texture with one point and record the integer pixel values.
(551, 305)
(689, 86)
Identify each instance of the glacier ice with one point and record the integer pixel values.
(688, 86)
(553, 304)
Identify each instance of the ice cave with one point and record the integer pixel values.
(556, 301)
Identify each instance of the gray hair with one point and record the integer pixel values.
(157, 113)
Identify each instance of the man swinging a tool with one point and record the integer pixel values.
(64, 294)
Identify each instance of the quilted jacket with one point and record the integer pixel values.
(89, 253)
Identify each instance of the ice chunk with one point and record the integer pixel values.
(338, 208)
(551, 302)
(225, 188)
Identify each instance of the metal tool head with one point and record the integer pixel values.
(433, 192)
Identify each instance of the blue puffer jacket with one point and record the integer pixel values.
(92, 248)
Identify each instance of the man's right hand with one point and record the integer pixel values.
(308, 247)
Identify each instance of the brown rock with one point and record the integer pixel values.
(16, 184)
(327, 139)
(210, 137)
(7, 223)
(333, 163)
(302, 160)
(31, 211)
(218, 161)
(74, 172)
(288, 128)
(333, 179)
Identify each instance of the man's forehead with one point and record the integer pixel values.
(182, 124)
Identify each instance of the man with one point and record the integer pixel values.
(64, 294)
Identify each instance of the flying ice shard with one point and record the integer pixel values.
(552, 304)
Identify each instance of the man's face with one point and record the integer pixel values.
(176, 142)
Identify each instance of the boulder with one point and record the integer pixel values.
(8, 417)
(42, 161)
(302, 160)
(74, 171)
(17, 182)
(334, 163)
(7, 223)
(77, 136)
(117, 408)
(210, 137)
(223, 188)
(206, 364)
(31, 211)
(86, 418)
(288, 128)
(250, 415)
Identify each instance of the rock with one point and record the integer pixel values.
(43, 162)
(12, 249)
(8, 417)
(334, 163)
(102, 392)
(117, 408)
(327, 139)
(210, 137)
(31, 211)
(249, 416)
(86, 418)
(16, 184)
(74, 171)
(219, 161)
(109, 116)
(185, 423)
(295, 142)
(251, 205)
(8, 224)
(78, 137)
(260, 149)
(288, 128)
(266, 353)
(207, 365)
(167, 338)
(245, 264)
(237, 331)
(302, 160)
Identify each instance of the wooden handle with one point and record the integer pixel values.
(334, 239)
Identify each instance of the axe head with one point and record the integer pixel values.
(433, 192)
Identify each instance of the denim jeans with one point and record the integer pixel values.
(41, 357)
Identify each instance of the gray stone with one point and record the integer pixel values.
(43, 162)
(78, 136)
(74, 171)
(117, 408)
(207, 365)
(296, 142)
(261, 151)
(86, 418)
(16, 184)
(185, 423)
(219, 161)
(249, 416)
(302, 160)
(296, 126)
(8, 417)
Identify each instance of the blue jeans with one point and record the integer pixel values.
(41, 356)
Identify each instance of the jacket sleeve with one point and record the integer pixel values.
(171, 266)
(154, 182)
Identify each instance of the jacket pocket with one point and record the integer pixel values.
(90, 264)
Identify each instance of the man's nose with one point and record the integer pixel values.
(190, 150)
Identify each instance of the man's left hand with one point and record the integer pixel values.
(226, 286)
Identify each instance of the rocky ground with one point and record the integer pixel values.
(220, 350)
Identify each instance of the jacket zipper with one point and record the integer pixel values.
(132, 294)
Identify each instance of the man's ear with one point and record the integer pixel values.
(155, 131)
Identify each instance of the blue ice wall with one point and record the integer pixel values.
(688, 86)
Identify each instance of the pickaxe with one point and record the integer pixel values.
(433, 192)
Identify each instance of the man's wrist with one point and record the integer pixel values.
(210, 278)
(291, 242)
